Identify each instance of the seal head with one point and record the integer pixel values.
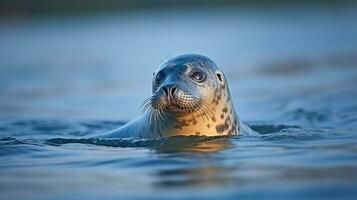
(192, 92)
(190, 96)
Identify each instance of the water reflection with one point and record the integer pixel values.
(195, 176)
(250, 173)
(193, 144)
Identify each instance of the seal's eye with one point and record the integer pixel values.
(197, 76)
(159, 77)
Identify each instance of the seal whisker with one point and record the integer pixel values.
(147, 107)
(189, 105)
(202, 112)
(197, 106)
(205, 108)
(187, 108)
(160, 111)
(146, 104)
(164, 115)
(146, 101)
(202, 109)
(151, 113)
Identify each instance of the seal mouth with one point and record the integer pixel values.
(180, 108)
(173, 107)
(160, 108)
(179, 104)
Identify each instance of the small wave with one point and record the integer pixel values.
(174, 143)
(11, 141)
(296, 135)
(271, 128)
(46, 127)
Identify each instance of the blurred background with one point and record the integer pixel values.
(95, 58)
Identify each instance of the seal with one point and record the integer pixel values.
(190, 96)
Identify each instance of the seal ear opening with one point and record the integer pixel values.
(219, 76)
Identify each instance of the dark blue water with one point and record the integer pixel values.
(293, 78)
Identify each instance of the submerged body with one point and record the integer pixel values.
(190, 97)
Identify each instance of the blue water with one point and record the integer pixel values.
(292, 74)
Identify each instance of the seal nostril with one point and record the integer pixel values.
(173, 90)
(165, 91)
